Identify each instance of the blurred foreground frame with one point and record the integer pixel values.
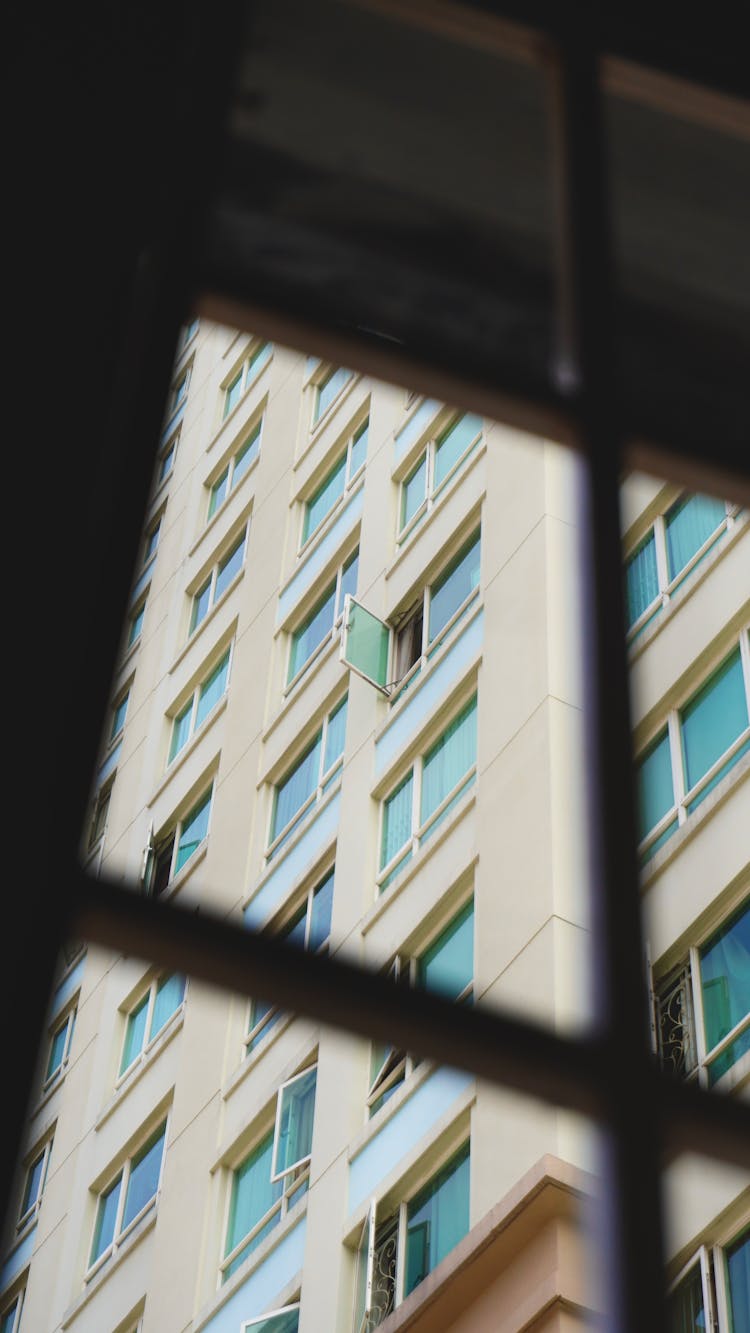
(594, 327)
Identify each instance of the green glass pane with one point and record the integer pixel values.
(437, 1219)
(180, 730)
(253, 1193)
(713, 719)
(453, 587)
(212, 689)
(689, 524)
(313, 630)
(295, 788)
(738, 1281)
(218, 493)
(294, 1140)
(229, 566)
(194, 830)
(143, 1181)
(201, 603)
(169, 995)
(446, 762)
(359, 448)
(321, 503)
(641, 579)
(454, 442)
(725, 985)
(686, 1313)
(413, 491)
(244, 456)
(448, 965)
(106, 1214)
(365, 644)
(135, 1034)
(397, 817)
(655, 793)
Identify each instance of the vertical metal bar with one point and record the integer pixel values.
(631, 1234)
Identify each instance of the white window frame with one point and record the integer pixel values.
(326, 777)
(66, 1020)
(248, 1324)
(324, 372)
(150, 1038)
(668, 587)
(683, 797)
(330, 635)
(40, 1153)
(193, 701)
(246, 374)
(304, 1162)
(229, 468)
(350, 481)
(432, 493)
(418, 830)
(120, 1234)
(210, 581)
(297, 1185)
(699, 1257)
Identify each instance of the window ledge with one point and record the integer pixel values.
(403, 548)
(253, 1261)
(694, 822)
(195, 636)
(137, 1071)
(190, 747)
(414, 866)
(97, 1279)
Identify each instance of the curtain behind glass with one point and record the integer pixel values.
(296, 1121)
(312, 631)
(449, 759)
(397, 820)
(642, 579)
(654, 782)
(295, 789)
(725, 983)
(335, 735)
(713, 719)
(437, 1219)
(253, 1193)
(688, 524)
(686, 1311)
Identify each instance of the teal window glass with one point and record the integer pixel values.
(228, 567)
(136, 624)
(193, 831)
(218, 492)
(449, 759)
(453, 587)
(655, 792)
(118, 716)
(335, 735)
(688, 524)
(143, 1180)
(284, 1321)
(686, 1311)
(359, 448)
(641, 579)
(34, 1181)
(725, 986)
(711, 721)
(232, 394)
(322, 501)
(169, 996)
(106, 1216)
(212, 689)
(201, 603)
(414, 491)
(397, 819)
(296, 787)
(327, 390)
(312, 631)
(738, 1282)
(437, 1219)
(293, 1141)
(180, 730)
(453, 443)
(253, 1196)
(135, 1033)
(58, 1046)
(320, 914)
(245, 456)
(448, 965)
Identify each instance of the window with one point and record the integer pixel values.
(687, 1305)
(261, 1195)
(670, 551)
(151, 540)
(199, 706)
(703, 1006)
(235, 469)
(128, 1197)
(99, 819)
(178, 392)
(61, 1035)
(320, 622)
(327, 495)
(119, 712)
(166, 459)
(279, 1321)
(166, 859)
(700, 743)
(714, 1292)
(310, 778)
(36, 1173)
(222, 574)
(135, 623)
(447, 966)
(308, 928)
(327, 388)
(246, 376)
(426, 795)
(187, 333)
(437, 463)
(150, 1016)
(440, 608)
(397, 1252)
(10, 1316)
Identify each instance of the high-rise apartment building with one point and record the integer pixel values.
(348, 709)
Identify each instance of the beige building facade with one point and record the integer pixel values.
(412, 800)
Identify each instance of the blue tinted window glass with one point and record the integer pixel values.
(689, 524)
(725, 985)
(713, 719)
(437, 1219)
(738, 1273)
(143, 1181)
(641, 579)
